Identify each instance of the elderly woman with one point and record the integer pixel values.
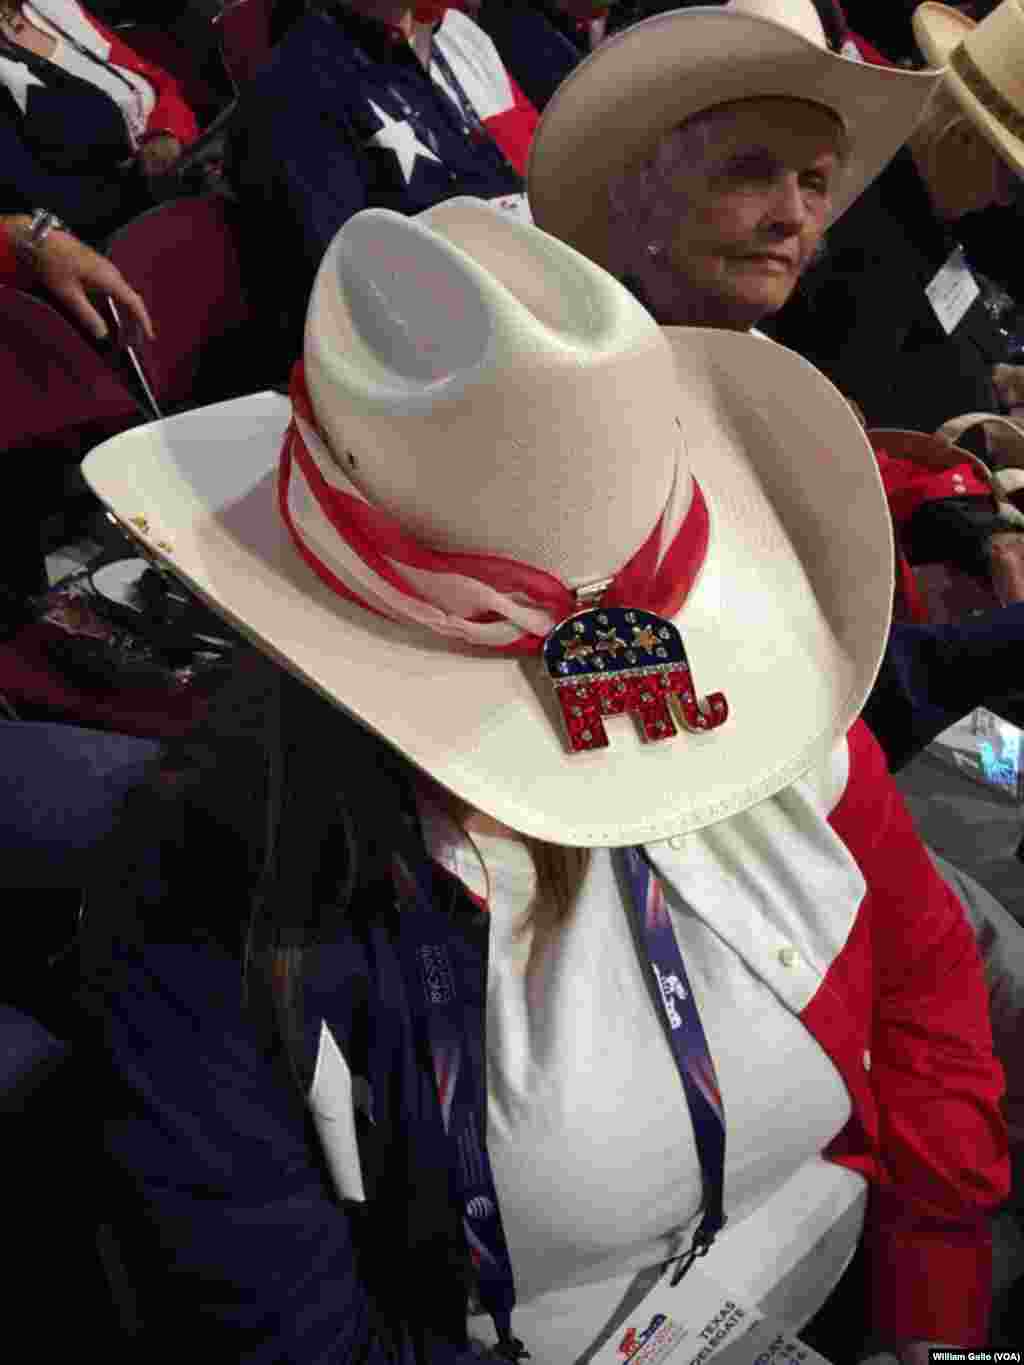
(713, 205)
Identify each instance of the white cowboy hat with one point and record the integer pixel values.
(611, 112)
(985, 69)
(499, 395)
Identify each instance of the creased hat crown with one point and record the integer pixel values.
(503, 395)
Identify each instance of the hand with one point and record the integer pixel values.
(67, 269)
(159, 155)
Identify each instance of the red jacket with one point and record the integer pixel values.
(927, 1129)
(908, 486)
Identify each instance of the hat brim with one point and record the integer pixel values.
(789, 617)
(938, 29)
(613, 109)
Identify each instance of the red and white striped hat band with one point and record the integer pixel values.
(490, 601)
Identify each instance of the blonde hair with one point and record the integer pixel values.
(560, 870)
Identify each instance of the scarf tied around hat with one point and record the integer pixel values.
(483, 600)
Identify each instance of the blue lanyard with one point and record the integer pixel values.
(656, 939)
(447, 1021)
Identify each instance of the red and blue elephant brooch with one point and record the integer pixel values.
(610, 661)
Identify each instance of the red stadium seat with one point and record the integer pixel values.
(60, 398)
(183, 260)
(60, 394)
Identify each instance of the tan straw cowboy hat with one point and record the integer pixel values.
(986, 69)
(615, 107)
(492, 431)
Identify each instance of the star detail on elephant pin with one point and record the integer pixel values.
(608, 642)
(576, 649)
(645, 638)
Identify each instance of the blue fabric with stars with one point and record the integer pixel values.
(613, 640)
(342, 118)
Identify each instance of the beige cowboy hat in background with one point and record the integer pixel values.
(614, 108)
(498, 393)
(985, 69)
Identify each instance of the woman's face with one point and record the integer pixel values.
(751, 209)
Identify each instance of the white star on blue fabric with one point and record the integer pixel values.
(399, 136)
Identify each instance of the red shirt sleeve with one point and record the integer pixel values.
(941, 1137)
(170, 112)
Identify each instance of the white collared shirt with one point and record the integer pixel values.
(588, 1129)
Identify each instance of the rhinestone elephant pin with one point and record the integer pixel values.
(609, 661)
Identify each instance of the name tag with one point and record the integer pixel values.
(514, 204)
(697, 1321)
(952, 291)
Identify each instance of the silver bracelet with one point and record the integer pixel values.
(40, 226)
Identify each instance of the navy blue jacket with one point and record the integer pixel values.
(933, 675)
(212, 1131)
(65, 157)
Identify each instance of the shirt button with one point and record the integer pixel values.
(788, 957)
(866, 1059)
(677, 841)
